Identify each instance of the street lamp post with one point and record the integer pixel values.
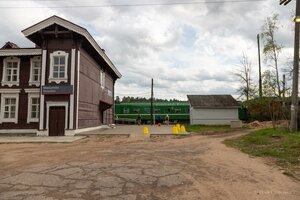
(294, 106)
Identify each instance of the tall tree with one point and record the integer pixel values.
(269, 83)
(118, 100)
(247, 88)
(271, 48)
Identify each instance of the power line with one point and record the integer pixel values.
(134, 5)
(28, 0)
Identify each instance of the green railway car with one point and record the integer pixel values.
(128, 112)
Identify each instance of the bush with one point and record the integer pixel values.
(267, 108)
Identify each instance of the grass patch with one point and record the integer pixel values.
(275, 143)
(207, 130)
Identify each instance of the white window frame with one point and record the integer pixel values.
(3, 97)
(4, 81)
(29, 110)
(65, 78)
(32, 61)
(102, 79)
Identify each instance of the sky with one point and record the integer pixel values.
(189, 48)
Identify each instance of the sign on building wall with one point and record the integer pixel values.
(58, 89)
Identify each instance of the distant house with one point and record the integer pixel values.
(65, 84)
(213, 109)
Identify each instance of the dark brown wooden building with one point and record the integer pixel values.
(63, 86)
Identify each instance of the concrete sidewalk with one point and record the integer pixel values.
(37, 139)
(133, 130)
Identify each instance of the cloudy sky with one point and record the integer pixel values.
(189, 48)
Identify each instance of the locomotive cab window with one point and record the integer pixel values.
(136, 110)
(177, 110)
(126, 110)
(156, 110)
(147, 110)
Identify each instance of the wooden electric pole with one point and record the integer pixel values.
(259, 67)
(152, 121)
(294, 106)
(283, 86)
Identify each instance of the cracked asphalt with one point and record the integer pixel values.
(193, 167)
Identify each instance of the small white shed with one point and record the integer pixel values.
(213, 109)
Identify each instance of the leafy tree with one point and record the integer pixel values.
(269, 83)
(271, 48)
(129, 99)
(118, 100)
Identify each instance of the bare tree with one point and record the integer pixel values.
(271, 48)
(246, 89)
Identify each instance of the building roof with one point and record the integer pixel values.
(212, 101)
(167, 103)
(10, 45)
(75, 28)
(20, 52)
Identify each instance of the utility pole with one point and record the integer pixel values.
(259, 66)
(294, 106)
(152, 121)
(283, 85)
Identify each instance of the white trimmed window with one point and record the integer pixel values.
(33, 113)
(11, 68)
(9, 108)
(35, 71)
(58, 67)
(102, 79)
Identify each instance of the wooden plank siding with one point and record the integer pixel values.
(91, 92)
(24, 74)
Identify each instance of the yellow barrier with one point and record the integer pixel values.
(178, 127)
(182, 129)
(175, 130)
(146, 131)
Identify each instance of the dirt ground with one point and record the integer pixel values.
(193, 167)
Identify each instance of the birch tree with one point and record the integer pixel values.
(271, 48)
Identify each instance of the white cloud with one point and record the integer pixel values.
(187, 49)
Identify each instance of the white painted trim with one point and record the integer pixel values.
(42, 98)
(9, 95)
(73, 57)
(31, 81)
(10, 83)
(73, 27)
(20, 52)
(78, 84)
(30, 96)
(43, 70)
(10, 91)
(32, 90)
(65, 78)
(41, 125)
(54, 104)
(2, 131)
(73, 54)
(102, 79)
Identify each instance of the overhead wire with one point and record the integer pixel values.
(131, 5)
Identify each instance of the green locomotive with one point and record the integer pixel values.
(178, 111)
